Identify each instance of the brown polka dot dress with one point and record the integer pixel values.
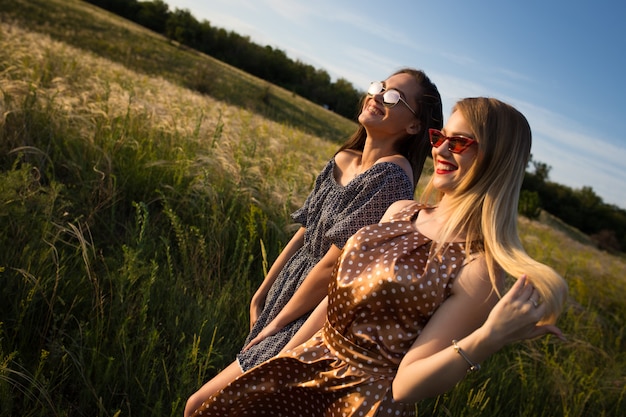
(387, 286)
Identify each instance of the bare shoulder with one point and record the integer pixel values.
(399, 160)
(395, 208)
(346, 157)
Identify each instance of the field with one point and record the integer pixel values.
(145, 188)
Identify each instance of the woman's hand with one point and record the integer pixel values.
(269, 330)
(516, 315)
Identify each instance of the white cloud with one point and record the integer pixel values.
(290, 10)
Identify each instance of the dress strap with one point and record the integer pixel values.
(409, 212)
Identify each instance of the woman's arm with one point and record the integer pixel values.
(258, 299)
(434, 365)
(311, 326)
(312, 290)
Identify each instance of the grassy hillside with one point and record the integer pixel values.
(92, 29)
(142, 201)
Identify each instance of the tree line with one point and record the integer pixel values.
(582, 209)
(265, 62)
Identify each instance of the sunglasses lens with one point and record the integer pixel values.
(391, 98)
(457, 145)
(436, 138)
(375, 88)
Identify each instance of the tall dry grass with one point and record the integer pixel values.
(136, 214)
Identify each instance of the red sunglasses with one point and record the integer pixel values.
(456, 144)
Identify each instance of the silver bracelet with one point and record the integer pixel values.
(472, 366)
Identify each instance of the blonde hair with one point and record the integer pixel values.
(484, 204)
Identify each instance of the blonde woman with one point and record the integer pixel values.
(415, 302)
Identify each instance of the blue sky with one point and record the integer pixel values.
(561, 63)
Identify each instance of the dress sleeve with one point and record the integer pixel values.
(302, 214)
(382, 185)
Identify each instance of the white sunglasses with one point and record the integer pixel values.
(391, 96)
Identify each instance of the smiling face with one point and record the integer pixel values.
(397, 121)
(450, 168)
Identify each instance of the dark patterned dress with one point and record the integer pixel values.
(331, 214)
(387, 285)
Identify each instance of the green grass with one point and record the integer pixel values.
(139, 213)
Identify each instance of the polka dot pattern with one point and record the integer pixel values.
(388, 284)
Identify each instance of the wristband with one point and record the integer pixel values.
(473, 367)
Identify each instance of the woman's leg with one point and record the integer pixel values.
(218, 382)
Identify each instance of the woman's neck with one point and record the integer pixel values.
(432, 221)
(373, 151)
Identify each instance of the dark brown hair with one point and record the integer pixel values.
(414, 147)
